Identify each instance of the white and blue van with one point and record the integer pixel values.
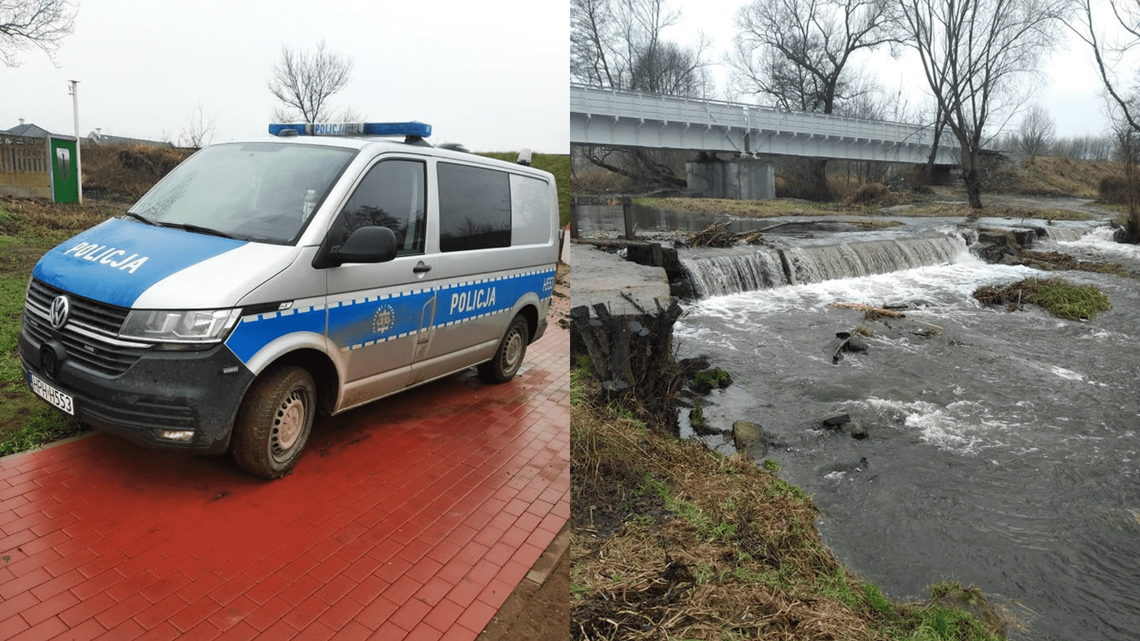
(262, 282)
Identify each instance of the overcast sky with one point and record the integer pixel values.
(1070, 92)
(491, 74)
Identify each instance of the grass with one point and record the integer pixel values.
(28, 229)
(1055, 295)
(672, 541)
(745, 208)
(786, 207)
(39, 428)
(707, 380)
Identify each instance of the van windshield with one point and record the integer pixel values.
(263, 192)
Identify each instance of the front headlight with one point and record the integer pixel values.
(180, 326)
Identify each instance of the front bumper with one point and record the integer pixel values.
(160, 390)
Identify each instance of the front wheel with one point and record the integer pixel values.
(274, 422)
(509, 355)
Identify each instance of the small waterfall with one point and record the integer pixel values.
(1065, 234)
(767, 267)
(720, 275)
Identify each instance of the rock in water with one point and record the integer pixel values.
(749, 439)
(836, 422)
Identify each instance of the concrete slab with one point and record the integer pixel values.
(602, 277)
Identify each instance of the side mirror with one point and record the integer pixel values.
(365, 245)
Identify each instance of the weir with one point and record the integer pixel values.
(1065, 234)
(795, 264)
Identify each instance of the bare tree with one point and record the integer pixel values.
(972, 53)
(795, 55)
(42, 24)
(198, 130)
(592, 36)
(1123, 96)
(304, 82)
(620, 44)
(1035, 135)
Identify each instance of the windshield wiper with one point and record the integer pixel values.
(190, 227)
(144, 219)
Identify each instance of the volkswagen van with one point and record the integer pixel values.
(264, 282)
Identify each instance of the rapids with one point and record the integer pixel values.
(1004, 447)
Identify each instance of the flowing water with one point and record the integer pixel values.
(1003, 448)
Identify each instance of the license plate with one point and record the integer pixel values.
(52, 395)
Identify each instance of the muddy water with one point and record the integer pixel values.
(1004, 448)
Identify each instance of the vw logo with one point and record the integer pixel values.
(60, 310)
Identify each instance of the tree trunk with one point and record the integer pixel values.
(938, 124)
(821, 190)
(1132, 228)
(633, 358)
(973, 188)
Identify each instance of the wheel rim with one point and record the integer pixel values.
(512, 351)
(288, 423)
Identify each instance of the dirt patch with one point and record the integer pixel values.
(539, 607)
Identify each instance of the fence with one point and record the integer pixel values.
(24, 168)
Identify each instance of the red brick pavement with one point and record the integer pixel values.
(412, 518)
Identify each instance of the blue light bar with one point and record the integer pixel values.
(412, 128)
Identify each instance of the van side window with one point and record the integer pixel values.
(474, 208)
(391, 195)
(530, 210)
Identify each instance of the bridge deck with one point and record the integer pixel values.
(625, 119)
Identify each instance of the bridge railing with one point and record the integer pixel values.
(691, 112)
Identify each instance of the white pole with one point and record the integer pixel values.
(78, 162)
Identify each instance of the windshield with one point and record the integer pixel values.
(264, 192)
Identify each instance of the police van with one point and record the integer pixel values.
(263, 282)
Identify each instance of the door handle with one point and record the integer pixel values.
(421, 268)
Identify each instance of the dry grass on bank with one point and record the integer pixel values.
(126, 172)
(671, 541)
(1047, 176)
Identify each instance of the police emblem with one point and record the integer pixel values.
(383, 320)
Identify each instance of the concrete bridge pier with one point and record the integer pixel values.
(741, 178)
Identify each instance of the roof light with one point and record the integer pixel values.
(417, 129)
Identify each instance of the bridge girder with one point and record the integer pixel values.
(624, 119)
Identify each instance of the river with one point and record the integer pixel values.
(1003, 447)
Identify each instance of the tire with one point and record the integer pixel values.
(509, 355)
(274, 422)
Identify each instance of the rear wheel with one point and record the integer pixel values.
(274, 422)
(509, 355)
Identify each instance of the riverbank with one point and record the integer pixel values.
(670, 540)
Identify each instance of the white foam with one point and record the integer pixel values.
(938, 286)
(962, 426)
(1067, 373)
(1100, 240)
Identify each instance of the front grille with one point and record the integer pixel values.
(99, 317)
(91, 333)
